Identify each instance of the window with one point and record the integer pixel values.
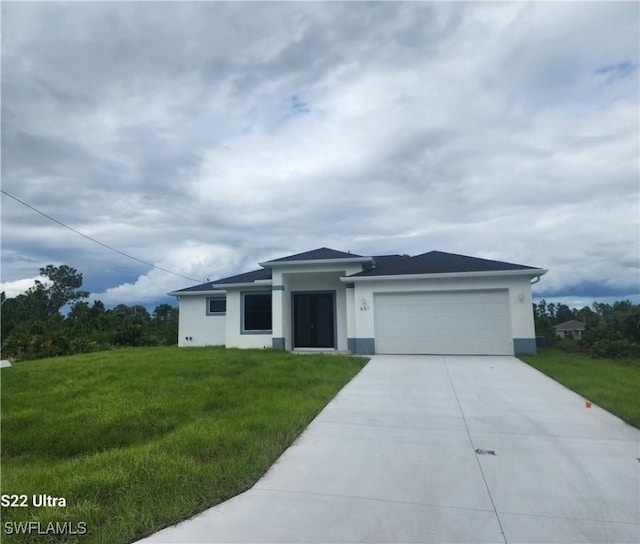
(256, 312)
(216, 306)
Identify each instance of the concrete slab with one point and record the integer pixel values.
(525, 529)
(431, 468)
(515, 398)
(392, 459)
(269, 516)
(572, 478)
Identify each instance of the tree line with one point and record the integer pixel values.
(612, 330)
(34, 325)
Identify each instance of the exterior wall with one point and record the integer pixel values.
(234, 336)
(195, 327)
(351, 317)
(280, 309)
(519, 287)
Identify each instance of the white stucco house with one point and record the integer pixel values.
(433, 303)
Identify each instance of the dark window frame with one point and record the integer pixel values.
(264, 313)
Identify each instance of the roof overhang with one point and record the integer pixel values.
(196, 293)
(257, 283)
(530, 272)
(312, 262)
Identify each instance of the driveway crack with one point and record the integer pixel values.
(474, 448)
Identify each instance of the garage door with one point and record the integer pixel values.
(462, 322)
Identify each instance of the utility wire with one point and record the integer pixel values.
(27, 205)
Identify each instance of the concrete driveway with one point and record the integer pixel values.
(393, 459)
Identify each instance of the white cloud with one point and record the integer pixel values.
(507, 131)
(14, 288)
(198, 261)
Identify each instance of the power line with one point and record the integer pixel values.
(27, 205)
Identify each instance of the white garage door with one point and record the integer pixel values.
(469, 323)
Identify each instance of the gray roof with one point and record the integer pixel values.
(436, 262)
(322, 253)
(247, 277)
(571, 325)
(197, 288)
(433, 262)
(383, 261)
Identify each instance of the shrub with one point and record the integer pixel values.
(614, 348)
(568, 344)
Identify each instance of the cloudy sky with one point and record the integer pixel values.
(205, 137)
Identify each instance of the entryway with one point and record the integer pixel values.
(314, 320)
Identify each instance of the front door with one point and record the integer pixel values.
(313, 316)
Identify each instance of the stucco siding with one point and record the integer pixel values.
(195, 327)
(234, 336)
(522, 323)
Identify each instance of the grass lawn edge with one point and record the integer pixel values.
(613, 385)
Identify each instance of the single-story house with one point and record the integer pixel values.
(324, 299)
(571, 329)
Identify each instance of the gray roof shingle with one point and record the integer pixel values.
(322, 253)
(247, 277)
(197, 288)
(571, 325)
(436, 262)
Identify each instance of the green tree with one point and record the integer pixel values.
(30, 307)
(551, 311)
(540, 309)
(33, 327)
(97, 310)
(63, 287)
(542, 322)
(165, 324)
(164, 313)
(131, 325)
(587, 315)
(564, 313)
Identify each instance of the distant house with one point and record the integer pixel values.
(570, 329)
(325, 299)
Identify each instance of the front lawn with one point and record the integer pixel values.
(611, 384)
(138, 439)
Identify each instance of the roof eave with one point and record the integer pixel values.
(257, 283)
(531, 272)
(193, 293)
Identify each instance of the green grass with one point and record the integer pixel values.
(611, 384)
(137, 439)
